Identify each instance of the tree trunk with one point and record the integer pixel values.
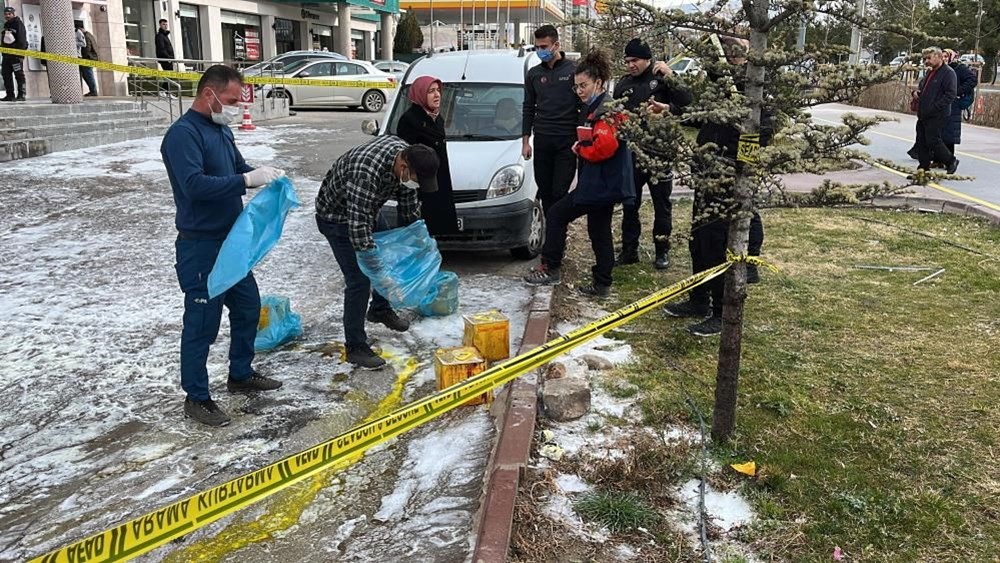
(731, 339)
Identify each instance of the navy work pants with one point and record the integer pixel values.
(195, 259)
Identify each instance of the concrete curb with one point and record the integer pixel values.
(515, 409)
(937, 205)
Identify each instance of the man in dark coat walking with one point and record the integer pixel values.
(13, 36)
(965, 95)
(934, 98)
(164, 50)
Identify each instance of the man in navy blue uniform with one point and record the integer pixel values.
(209, 178)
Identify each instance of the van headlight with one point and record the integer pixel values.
(506, 181)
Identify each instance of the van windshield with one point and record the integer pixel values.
(474, 112)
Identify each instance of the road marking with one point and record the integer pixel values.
(905, 140)
(937, 186)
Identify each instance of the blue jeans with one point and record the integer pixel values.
(87, 73)
(195, 259)
(357, 287)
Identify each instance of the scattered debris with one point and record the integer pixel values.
(930, 277)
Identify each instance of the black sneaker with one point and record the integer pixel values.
(543, 275)
(594, 290)
(686, 309)
(363, 357)
(255, 383)
(662, 261)
(708, 327)
(206, 412)
(753, 274)
(7, 99)
(388, 318)
(20, 99)
(627, 256)
(953, 166)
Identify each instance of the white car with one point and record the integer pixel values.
(686, 65)
(365, 86)
(395, 68)
(971, 59)
(493, 186)
(284, 60)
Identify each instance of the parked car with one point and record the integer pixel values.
(895, 63)
(493, 186)
(395, 68)
(282, 61)
(370, 88)
(971, 59)
(686, 65)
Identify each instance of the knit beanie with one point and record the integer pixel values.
(638, 49)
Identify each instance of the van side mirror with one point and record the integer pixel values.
(369, 127)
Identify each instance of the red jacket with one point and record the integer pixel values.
(604, 175)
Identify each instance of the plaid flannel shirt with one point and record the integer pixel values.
(358, 185)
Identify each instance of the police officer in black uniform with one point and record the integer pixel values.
(645, 82)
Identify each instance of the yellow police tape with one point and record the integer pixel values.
(194, 76)
(142, 534)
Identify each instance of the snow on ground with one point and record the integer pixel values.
(593, 437)
(93, 431)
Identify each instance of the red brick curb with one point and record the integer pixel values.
(515, 410)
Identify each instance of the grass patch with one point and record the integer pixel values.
(617, 511)
(869, 404)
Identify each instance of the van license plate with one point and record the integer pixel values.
(461, 224)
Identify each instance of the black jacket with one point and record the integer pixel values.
(164, 48)
(603, 177)
(638, 89)
(551, 107)
(966, 91)
(937, 94)
(437, 209)
(20, 35)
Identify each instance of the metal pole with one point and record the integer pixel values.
(856, 36)
(507, 24)
(486, 23)
(432, 25)
(975, 54)
(461, 25)
(496, 37)
(473, 25)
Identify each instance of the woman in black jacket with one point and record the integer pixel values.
(423, 124)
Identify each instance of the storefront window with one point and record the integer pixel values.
(140, 28)
(241, 37)
(190, 31)
(322, 38)
(286, 35)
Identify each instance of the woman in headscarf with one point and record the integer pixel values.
(423, 124)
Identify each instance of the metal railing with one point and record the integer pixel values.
(161, 93)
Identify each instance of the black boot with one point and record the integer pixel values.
(21, 90)
(662, 261)
(388, 318)
(7, 98)
(628, 255)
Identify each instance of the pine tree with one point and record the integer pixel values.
(409, 37)
(777, 82)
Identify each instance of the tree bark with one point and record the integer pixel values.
(734, 296)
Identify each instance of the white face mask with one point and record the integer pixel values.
(228, 115)
(412, 184)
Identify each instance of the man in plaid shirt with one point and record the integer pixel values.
(358, 184)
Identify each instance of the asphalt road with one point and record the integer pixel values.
(979, 151)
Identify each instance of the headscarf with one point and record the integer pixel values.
(418, 93)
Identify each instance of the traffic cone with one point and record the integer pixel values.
(247, 124)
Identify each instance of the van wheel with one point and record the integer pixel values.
(536, 235)
(373, 101)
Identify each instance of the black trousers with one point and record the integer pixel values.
(708, 249)
(555, 167)
(930, 145)
(557, 220)
(662, 210)
(12, 69)
(165, 65)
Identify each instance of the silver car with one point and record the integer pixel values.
(284, 60)
(395, 68)
(364, 85)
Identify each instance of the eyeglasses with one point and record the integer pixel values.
(578, 87)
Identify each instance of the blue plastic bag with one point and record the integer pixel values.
(442, 299)
(278, 324)
(254, 234)
(411, 260)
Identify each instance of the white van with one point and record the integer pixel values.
(494, 188)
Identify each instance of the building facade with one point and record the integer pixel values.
(239, 32)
